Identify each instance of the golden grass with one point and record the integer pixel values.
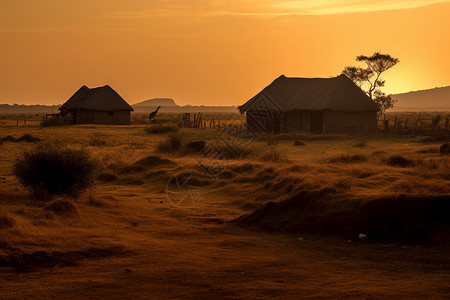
(120, 146)
(131, 209)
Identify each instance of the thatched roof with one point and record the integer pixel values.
(336, 93)
(100, 98)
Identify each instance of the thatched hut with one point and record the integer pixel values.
(311, 105)
(100, 105)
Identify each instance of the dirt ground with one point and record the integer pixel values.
(128, 239)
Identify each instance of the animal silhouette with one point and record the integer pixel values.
(153, 114)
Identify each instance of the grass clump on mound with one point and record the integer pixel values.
(413, 219)
(145, 163)
(55, 170)
(25, 138)
(160, 129)
(219, 149)
(399, 161)
(107, 177)
(245, 168)
(347, 159)
(62, 207)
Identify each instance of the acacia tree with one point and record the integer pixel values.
(369, 78)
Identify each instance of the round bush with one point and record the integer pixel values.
(55, 170)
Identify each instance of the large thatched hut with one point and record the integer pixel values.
(311, 105)
(100, 105)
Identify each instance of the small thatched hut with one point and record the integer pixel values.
(311, 105)
(100, 105)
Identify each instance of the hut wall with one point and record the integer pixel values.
(103, 117)
(303, 120)
(313, 121)
(350, 121)
(292, 121)
(263, 121)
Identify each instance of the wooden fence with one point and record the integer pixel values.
(197, 121)
(21, 123)
(426, 125)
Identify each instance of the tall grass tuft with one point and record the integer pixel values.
(274, 154)
(172, 144)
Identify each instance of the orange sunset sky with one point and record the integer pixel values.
(211, 52)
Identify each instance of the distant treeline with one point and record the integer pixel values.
(21, 108)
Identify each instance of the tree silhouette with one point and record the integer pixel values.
(377, 64)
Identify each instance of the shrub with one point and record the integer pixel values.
(399, 161)
(55, 170)
(55, 121)
(195, 147)
(445, 148)
(6, 222)
(173, 143)
(96, 142)
(160, 129)
(361, 143)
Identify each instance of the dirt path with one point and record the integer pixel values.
(189, 253)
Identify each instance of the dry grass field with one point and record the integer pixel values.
(280, 221)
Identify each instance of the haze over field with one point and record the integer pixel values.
(211, 52)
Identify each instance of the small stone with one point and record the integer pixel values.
(362, 236)
(300, 239)
(349, 241)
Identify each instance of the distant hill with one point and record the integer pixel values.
(168, 105)
(187, 109)
(157, 102)
(437, 99)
